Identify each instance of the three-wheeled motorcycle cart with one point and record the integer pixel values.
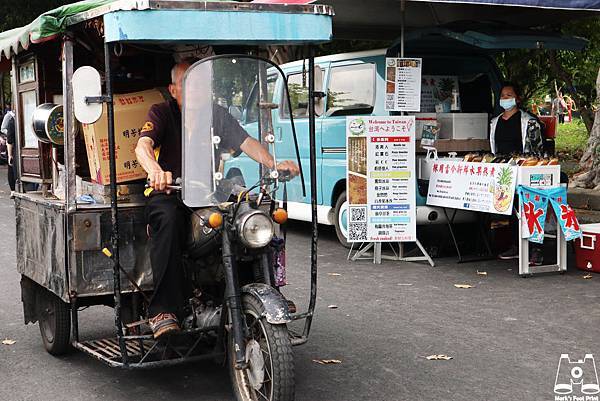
(83, 240)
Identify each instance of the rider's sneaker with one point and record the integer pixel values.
(164, 323)
(291, 306)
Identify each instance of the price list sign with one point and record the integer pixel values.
(381, 182)
(403, 84)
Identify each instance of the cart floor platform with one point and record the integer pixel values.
(144, 352)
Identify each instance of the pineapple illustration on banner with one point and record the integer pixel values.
(502, 189)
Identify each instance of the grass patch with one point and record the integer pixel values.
(571, 138)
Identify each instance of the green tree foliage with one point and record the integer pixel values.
(538, 71)
(14, 14)
(22, 12)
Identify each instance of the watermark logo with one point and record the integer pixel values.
(357, 126)
(576, 380)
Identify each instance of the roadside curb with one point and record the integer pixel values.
(580, 198)
(586, 203)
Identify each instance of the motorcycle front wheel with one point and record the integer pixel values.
(270, 372)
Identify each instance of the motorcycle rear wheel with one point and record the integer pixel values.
(276, 350)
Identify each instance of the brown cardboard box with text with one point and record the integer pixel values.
(131, 110)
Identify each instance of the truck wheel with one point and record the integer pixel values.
(54, 319)
(341, 220)
(270, 372)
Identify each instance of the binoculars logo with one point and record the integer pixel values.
(581, 373)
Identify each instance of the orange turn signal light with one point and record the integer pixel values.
(280, 216)
(215, 220)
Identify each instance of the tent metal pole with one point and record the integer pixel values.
(402, 25)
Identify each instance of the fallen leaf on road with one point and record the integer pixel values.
(463, 286)
(332, 306)
(327, 361)
(481, 273)
(334, 274)
(587, 276)
(440, 357)
(6, 341)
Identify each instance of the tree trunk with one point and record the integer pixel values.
(590, 161)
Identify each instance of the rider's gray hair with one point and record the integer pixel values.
(187, 62)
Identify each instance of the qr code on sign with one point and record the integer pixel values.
(357, 232)
(358, 214)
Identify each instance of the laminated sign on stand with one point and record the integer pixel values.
(381, 184)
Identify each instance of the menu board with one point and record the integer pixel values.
(481, 187)
(403, 84)
(380, 179)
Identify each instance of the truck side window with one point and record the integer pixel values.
(351, 90)
(298, 97)
(252, 105)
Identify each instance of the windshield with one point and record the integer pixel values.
(228, 141)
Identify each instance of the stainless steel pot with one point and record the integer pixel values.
(48, 123)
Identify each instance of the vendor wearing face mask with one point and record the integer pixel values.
(515, 130)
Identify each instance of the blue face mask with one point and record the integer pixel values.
(508, 104)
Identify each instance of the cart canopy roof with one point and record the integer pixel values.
(209, 22)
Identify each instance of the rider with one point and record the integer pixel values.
(159, 152)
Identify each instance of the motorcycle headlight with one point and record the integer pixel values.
(255, 229)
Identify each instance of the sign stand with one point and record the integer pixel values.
(532, 176)
(525, 270)
(377, 255)
(402, 98)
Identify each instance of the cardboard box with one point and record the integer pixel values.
(131, 111)
(463, 125)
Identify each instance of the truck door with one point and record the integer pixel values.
(350, 91)
(298, 90)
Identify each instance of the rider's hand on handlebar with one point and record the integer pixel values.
(159, 180)
(288, 167)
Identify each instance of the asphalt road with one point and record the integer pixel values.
(505, 334)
